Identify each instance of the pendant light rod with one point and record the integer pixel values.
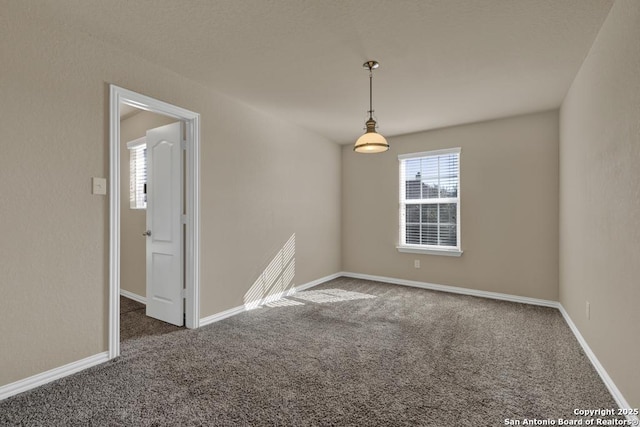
(370, 93)
(371, 65)
(371, 141)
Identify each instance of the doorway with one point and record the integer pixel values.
(122, 99)
(151, 229)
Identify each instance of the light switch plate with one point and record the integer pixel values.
(99, 186)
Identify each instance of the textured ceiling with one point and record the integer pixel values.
(443, 62)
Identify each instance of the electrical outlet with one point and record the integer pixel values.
(588, 310)
(416, 263)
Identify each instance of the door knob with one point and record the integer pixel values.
(147, 233)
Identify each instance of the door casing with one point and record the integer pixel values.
(192, 243)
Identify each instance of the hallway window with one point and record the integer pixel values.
(137, 173)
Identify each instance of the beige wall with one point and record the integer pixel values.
(133, 222)
(600, 198)
(262, 181)
(509, 208)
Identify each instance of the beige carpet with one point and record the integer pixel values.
(347, 353)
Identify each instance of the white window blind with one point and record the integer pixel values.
(137, 173)
(430, 200)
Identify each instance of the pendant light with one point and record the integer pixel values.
(371, 142)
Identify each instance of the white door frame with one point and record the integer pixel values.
(192, 241)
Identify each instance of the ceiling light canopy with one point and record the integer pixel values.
(371, 142)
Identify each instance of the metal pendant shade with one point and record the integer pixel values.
(371, 142)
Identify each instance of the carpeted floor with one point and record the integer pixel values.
(346, 353)
(134, 323)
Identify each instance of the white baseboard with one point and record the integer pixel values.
(619, 398)
(52, 375)
(133, 296)
(222, 315)
(271, 298)
(316, 282)
(454, 289)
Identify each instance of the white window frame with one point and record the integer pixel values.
(420, 248)
(137, 145)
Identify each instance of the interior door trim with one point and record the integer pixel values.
(119, 95)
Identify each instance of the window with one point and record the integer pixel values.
(137, 173)
(430, 202)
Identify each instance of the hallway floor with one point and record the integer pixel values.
(134, 323)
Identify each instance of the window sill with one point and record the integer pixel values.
(429, 251)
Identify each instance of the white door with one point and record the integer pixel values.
(164, 225)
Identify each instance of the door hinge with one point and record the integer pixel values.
(183, 144)
(183, 219)
(183, 293)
